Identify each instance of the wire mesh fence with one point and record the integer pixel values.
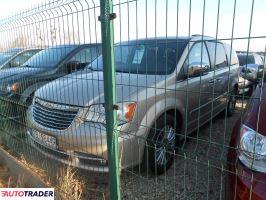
(137, 99)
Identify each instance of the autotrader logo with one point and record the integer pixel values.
(27, 193)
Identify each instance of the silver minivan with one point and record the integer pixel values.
(166, 88)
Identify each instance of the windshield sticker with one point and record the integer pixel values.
(138, 55)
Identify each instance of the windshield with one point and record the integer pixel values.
(4, 56)
(49, 57)
(146, 57)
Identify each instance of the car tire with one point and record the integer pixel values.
(160, 146)
(231, 105)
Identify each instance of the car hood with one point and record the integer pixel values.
(256, 111)
(86, 89)
(15, 74)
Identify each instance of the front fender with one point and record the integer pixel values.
(154, 112)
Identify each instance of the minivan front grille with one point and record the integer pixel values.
(51, 115)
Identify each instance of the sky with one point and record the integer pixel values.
(151, 18)
(10, 7)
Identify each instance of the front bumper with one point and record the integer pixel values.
(246, 184)
(72, 158)
(84, 145)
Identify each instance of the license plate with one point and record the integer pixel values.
(44, 139)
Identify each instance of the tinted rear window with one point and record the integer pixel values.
(244, 59)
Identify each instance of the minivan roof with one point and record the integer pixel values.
(175, 38)
(155, 39)
(74, 45)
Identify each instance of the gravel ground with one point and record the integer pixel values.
(198, 169)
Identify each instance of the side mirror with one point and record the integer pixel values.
(72, 66)
(195, 70)
(251, 72)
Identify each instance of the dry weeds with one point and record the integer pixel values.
(37, 170)
(69, 184)
(8, 181)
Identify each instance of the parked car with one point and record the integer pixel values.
(16, 57)
(247, 152)
(250, 63)
(17, 85)
(7, 54)
(165, 87)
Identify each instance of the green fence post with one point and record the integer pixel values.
(110, 95)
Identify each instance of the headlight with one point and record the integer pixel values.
(125, 113)
(252, 149)
(12, 87)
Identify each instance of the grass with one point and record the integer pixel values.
(69, 184)
(8, 181)
(37, 170)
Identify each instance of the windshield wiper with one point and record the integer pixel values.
(93, 69)
(90, 68)
(26, 66)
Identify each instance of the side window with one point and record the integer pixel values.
(232, 59)
(121, 54)
(22, 58)
(85, 56)
(217, 54)
(197, 59)
(263, 62)
(258, 59)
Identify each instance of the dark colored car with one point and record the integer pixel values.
(9, 53)
(250, 63)
(247, 153)
(17, 85)
(16, 57)
(20, 83)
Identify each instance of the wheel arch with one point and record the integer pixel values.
(177, 115)
(174, 107)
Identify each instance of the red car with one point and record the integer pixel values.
(247, 152)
